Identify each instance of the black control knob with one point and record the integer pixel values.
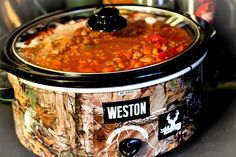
(106, 19)
(130, 146)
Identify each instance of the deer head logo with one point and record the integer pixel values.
(172, 125)
(173, 120)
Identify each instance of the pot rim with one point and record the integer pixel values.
(118, 88)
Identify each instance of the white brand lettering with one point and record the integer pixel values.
(119, 111)
(136, 109)
(131, 110)
(111, 112)
(143, 108)
(124, 111)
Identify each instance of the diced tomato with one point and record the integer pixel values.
(171, 51)
(158, 45)
(180, 48)
(156, 37)
(162, 56)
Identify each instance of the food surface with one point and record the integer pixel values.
(72, 47)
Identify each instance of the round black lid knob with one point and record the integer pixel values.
(106, 19)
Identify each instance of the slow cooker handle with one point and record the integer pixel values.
(6, 91)
(4, 66)
(209, 30)
(2, 44)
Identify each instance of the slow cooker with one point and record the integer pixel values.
(145, 111)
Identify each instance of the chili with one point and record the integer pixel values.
(139, 44)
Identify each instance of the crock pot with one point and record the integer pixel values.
(140, 112)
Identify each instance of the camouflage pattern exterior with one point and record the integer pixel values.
(55, 123)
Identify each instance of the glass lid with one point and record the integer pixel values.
(65, 43)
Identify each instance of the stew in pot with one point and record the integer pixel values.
(72, 47)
